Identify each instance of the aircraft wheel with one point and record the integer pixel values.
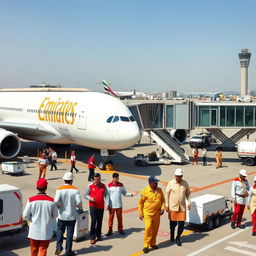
(102, 165)
(109, 167)
(139, 163)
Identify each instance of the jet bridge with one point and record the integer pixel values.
(152, 117)
(215, 117)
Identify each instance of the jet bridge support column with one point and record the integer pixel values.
(230, 143)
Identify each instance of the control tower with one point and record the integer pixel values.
(244, 57)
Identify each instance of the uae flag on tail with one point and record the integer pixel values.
(107, 88)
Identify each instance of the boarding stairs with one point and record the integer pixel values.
(169, 145)
(230, 142)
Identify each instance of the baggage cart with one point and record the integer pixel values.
(13, 168)
(81, 226)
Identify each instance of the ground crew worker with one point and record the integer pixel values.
(177, 191)
(73, 161)
(96, 192)
(239, 192)
(151, 207)
(40, 211)
(252, 206)
(42, 163)
(218, 157)
(195, 155)
(54, 160)
(115, 190)
(91, 167)
(67, 199)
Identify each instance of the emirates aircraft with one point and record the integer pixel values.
(64, 116)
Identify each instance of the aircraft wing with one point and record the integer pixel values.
(23, 129)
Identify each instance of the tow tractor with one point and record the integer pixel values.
(150, 159)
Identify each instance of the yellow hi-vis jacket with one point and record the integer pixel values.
(151, 203)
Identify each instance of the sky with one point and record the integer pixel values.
(147, 45)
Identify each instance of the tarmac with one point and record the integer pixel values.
(202, 180)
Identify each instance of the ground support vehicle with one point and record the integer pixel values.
(199, 141)
(246, 150)
(145, 160)
(11, 221)
(207, 211)
(13, 168)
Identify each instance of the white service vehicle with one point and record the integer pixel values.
(246, 150)
(13, 168)
(208, 210)
(11, 220)
(245, 98)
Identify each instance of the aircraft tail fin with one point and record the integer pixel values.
(107, 88)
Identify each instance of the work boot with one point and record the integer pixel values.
(58, 251)
(233, 225)
(121, 232)
(178, 242)
(154, 247)
(241, 226)
(253, 233)
(92, 241)
(145, 250)
(109, 233)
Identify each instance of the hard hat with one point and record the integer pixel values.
(243, 172)
(68, 176)
(41, 183)
(152, 179)
(178, 172)
(254, 178)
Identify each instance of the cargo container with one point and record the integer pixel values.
(208, 210)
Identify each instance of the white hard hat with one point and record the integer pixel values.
(68, 176)
(243, 172)
(178, 172)
(254, 178)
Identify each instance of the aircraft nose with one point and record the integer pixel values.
(128, 136)
(134, 135)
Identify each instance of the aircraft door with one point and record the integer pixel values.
(82, 119)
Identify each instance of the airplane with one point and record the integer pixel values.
(123, 95)
(64, 116)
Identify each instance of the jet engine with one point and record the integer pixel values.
(180, 135)
(9, 144)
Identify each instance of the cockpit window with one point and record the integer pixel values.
(132, 119)
(116, 119)
(124, 118)
(109, 119)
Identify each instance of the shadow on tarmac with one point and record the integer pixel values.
(185, 239)
(93, 249)
(12, 243)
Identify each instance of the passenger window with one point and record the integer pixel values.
(1, 206)
(109, 119)
(124, 119)
(116, 119)
(132, 119)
